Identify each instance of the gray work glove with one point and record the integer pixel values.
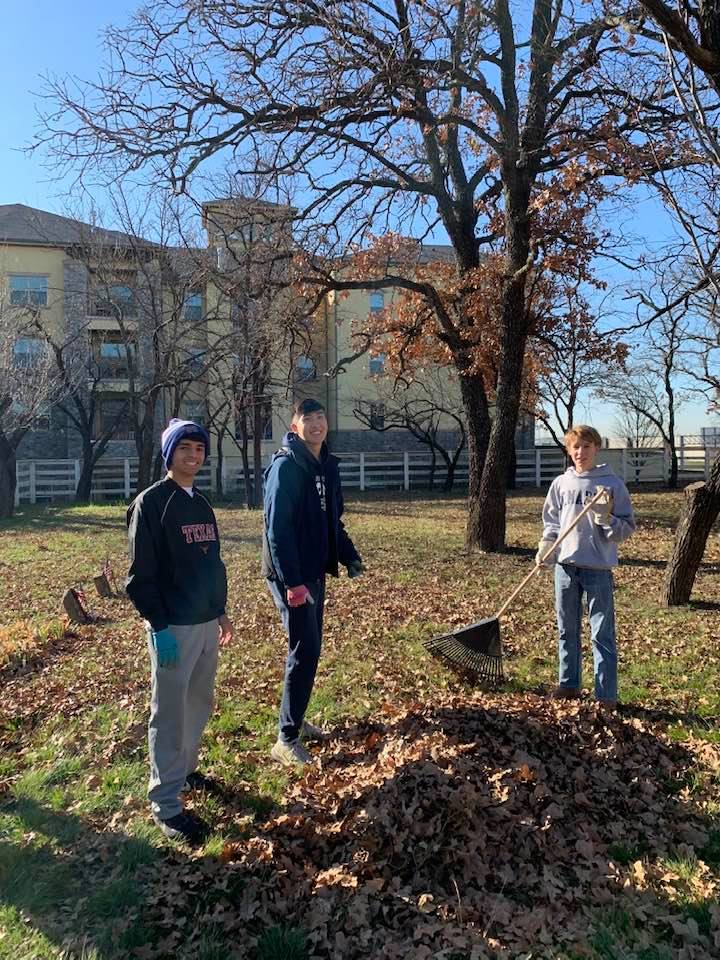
(543, 547)
(355, 569)
(603, 507)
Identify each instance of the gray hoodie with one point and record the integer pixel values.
(589, 545)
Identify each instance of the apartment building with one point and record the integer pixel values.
(109, 292)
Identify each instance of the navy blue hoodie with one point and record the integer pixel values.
(304, 536)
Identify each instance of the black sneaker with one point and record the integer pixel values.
(183, 826)
(200, 781)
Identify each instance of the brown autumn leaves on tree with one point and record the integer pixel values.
(473, 117)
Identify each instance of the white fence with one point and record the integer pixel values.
(44, 481)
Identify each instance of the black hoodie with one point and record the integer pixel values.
(303, 506)
(176, 574)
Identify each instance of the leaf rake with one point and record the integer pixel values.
(476, 650)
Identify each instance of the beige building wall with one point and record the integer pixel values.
(27, 260)
(358, 381)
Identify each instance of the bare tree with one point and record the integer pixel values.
(637, 430)
(268, 325)
(694, 29)
(690, 34)
(29, 387)
(81, 375)
(569, 359)
(429, 409)
(650, 389)
(145, 324)
(477, 118)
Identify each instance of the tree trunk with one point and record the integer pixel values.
(673, 478)
(477, 416)
(433, 467)
(488, 514)
(8, 477)
(701, 509)
(450, 476)
(145, 465)
(489, 533)
(511, 479)
(83, 490)
(144, 447)
(219, 490)
(257, 454)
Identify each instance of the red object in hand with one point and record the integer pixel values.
(297, 596)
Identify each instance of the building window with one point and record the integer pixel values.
(377, 416)
(112, 415)
(112, 354)
(28, 291)
(40, 420)
(305, 368)
(195, 411)
(377, 300)
(28, 351)
(376, 365)
(194, 360)
(193, 308)
(115, 298)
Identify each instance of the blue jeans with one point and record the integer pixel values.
(571, 583)
(303, 626)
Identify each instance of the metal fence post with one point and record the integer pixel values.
(682, 452)
(623, 464)
(538, 466)
(126, 471)
(406, 470)
(17, 484)
(77, 473)
(33, 488)
(362, 471)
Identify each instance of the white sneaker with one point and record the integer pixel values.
(312, 733)
(290, 754)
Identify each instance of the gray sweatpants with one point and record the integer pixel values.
(180, 706)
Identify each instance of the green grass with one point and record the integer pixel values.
(282, 943)
(20, 942)
(624, 853)
(81, 862)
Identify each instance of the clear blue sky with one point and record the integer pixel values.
(46, 37)
(43, 37)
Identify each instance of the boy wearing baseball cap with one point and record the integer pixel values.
(304, 539)
(178, 585)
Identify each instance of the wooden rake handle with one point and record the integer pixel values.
(549, 553)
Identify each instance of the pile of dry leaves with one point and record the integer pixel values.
(484, 827)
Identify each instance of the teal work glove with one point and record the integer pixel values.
(355, 569)
(166, 647)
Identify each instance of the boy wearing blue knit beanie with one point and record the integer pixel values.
(177, 583)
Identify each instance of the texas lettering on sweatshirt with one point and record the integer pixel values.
(589, 544)
(176, 575)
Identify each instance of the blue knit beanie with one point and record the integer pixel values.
(178, 430)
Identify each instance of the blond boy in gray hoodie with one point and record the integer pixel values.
(584, 561)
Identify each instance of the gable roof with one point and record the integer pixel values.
(22, 224)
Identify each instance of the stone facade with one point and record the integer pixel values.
(49, 444)
(391, 441)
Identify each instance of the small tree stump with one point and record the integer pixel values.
(700, 511)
